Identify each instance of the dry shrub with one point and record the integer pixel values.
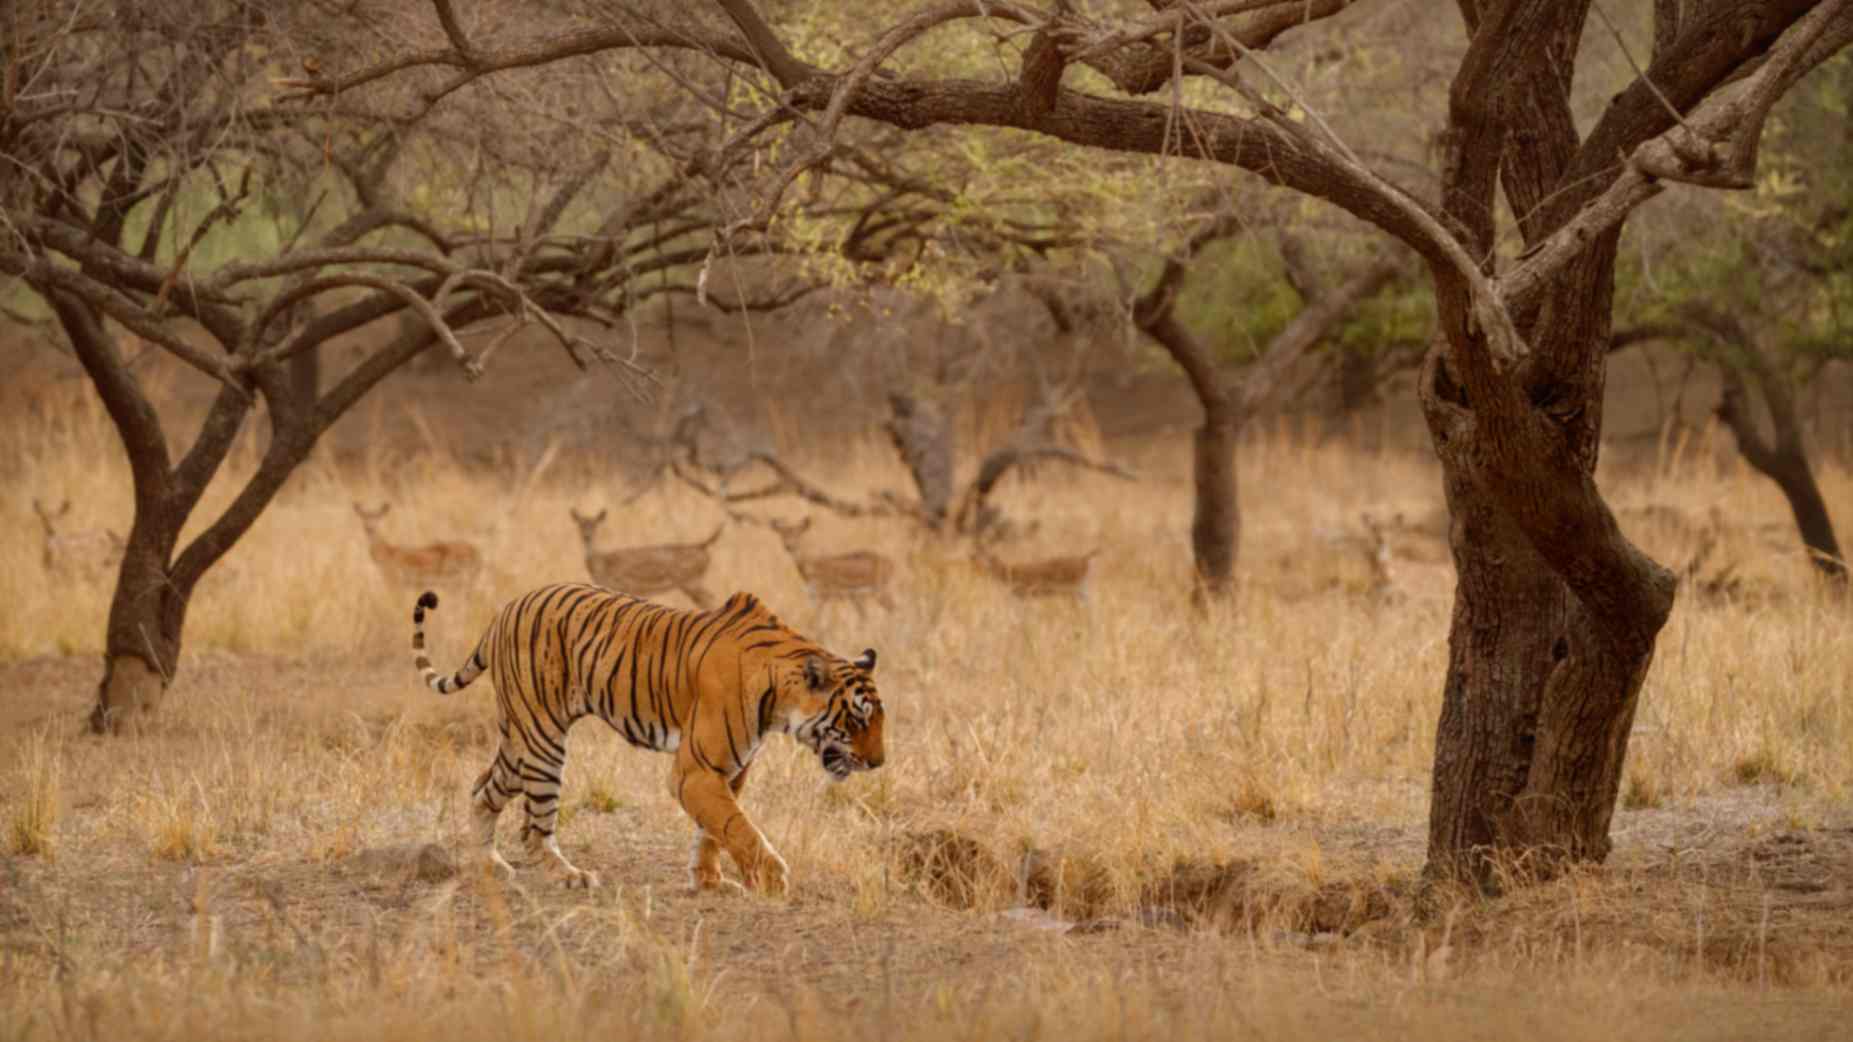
(1764, 765)
(1071, 884)
(1642, 790)
(179, 826)
(953, 869)
(1253, 799)
(1243, 897)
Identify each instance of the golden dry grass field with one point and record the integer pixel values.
(1105, 819)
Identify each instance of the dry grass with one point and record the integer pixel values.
(1098, 819)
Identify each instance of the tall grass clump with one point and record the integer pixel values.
(36, 795)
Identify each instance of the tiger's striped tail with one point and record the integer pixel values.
(443, 685)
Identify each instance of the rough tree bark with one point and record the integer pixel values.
(1556, 614)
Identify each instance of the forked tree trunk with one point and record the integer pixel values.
(156, 582)
(1216, 518)
(1556, 614)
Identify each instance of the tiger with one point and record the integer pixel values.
(705, 686)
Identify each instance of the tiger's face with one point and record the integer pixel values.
(841, 714)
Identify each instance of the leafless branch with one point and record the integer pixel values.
(1715, 146)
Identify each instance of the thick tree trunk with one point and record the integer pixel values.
(1536, 709)
(147, 616)
(1556, 614)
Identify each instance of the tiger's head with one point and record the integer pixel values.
(837, 712)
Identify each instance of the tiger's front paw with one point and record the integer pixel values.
(773, 877)
(700, 882)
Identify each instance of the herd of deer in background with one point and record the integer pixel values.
(856, 577)
(852, 577)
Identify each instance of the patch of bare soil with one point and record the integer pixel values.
(1771, 904)
(1775, 906)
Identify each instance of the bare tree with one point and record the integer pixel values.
(1757, 291)
(150, 182)
(1557, 613)
(1783, 457)
(1228, 403)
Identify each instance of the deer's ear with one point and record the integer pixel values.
(867, 662)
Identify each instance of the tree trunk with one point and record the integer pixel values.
(147, 615)
(154, 587)
(1216, 525)
(1216, 522)
(923, 436)
(1784, 458)
(1556, 614)
(1536, 709)
(1215, 528)
(1796, 480)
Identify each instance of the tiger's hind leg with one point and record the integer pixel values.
(540, 782)
(491, 793)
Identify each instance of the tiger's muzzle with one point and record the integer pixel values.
(839, 762)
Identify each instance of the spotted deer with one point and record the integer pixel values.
(87, 553)
(855, 576)
(1048, 577)
(645, 571)
(434, 564)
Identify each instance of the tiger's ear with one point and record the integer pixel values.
(814, 673)
(867, 662)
